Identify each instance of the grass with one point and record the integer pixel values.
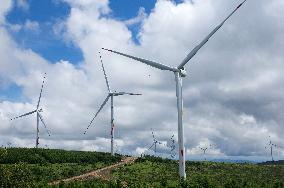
(156, 172)
(22, 167)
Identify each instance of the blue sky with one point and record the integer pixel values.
(11, 92)
(47, 12)
(49, 45)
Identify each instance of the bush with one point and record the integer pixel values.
(17, 175)
(43, 156)
(3, 153)
(23, 167)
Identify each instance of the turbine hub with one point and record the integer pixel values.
(182, 72)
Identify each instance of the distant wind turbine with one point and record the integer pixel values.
(110, 95)
(9, 144)
(172, 146)
(204, 149)
(38, 115)
(270, 146)
(155, 142)
(179, 73)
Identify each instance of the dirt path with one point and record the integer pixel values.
(103, 173)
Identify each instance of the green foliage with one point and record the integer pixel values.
(42, 166)
(154, 159)
(3, 153)
(41, 156)
(17, 175)
(22, 167)
(96, 183)
(152, 171)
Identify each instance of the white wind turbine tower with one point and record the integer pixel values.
(38, 115)
(179, 73)
(110, 95)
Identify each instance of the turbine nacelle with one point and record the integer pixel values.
(182, 72)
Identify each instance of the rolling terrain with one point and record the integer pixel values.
(22, 167)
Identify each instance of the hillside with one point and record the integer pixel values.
(157, 172)
(24, 167)
(35, 168)
(280, 162)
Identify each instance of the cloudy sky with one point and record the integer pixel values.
(233, 94)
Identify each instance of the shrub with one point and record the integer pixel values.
(17, 175)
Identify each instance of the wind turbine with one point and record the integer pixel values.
(155, 142)
(173, 147)
(38, 115)
(204, 149)
(270, 146)
(9, 144)
(110, 95)
(179, 73)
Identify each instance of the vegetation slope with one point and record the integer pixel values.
(35, 167)
(23, 167)
(156, 172)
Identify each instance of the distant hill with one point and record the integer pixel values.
(280, 162)
(232, 161)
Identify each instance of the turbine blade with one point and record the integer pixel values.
(40, 91)
(101, 107)
(41, 119)
(118, 93)
(133, 93)
(26, 114)
(148, 62)
(104, 72)
(126, 93)
(200, 45)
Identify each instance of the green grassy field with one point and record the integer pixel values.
(23, 167)
(158, 172)
(34, 168)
